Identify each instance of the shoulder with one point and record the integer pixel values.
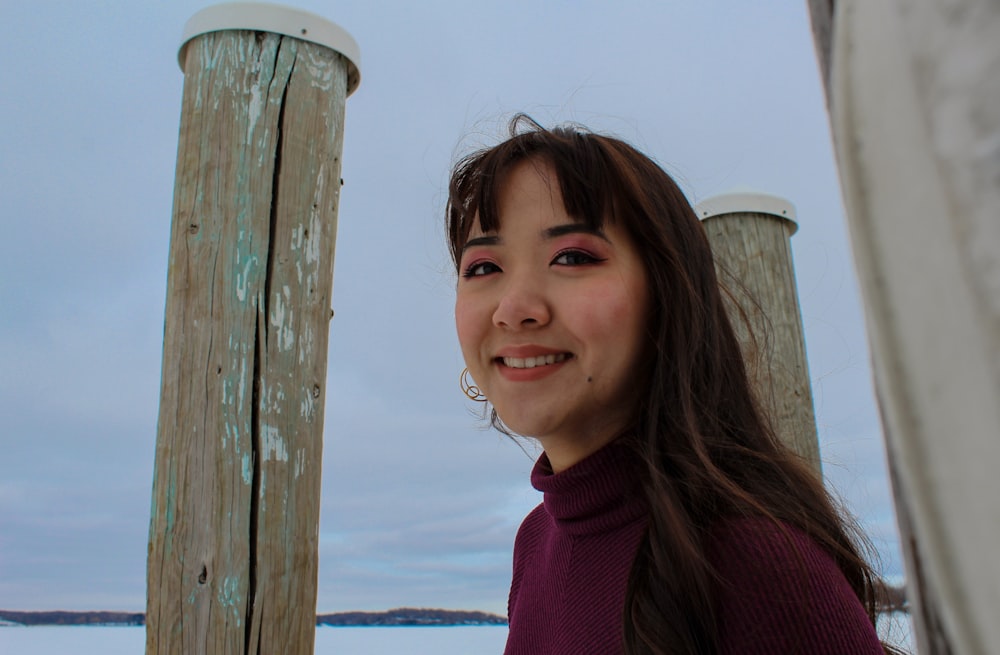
(531, 533)
(534, 529)
(779, 591)
(764, 544)
(535, 523)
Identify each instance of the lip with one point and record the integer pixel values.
(524, 352)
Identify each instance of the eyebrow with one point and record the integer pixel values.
(573, 228)
(481, 241)
(548, 233)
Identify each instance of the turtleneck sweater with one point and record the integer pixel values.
(572, 557)
(779, 591)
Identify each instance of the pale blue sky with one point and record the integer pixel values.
(420, 504)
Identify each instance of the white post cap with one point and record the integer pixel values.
(279, 19)
(747, 202)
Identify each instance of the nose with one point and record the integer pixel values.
(523, 304)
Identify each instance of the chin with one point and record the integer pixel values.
(522, 426)
(519, 429)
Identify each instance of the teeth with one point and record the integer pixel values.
(532, 362)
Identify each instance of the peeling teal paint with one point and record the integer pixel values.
(247, 470)
(262, 492)
(273, 446)
(229, 595)
(242, 388)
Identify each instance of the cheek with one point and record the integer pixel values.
(602, 309)
(468, 325)
(614, 317)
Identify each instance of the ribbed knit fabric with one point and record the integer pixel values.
(574, 552)
(784, 594)
(572, 557)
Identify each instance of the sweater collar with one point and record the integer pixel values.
(599, 493)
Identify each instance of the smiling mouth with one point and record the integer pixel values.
(532, 362)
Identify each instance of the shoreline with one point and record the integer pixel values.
(398, 617)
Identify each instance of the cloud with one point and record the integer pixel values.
(420, 505)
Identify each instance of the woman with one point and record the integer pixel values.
(590, 317)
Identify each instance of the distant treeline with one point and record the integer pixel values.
(398, 617)
(73, 618)
(892, 599)
(411, 616)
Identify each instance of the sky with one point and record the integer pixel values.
(420, 502)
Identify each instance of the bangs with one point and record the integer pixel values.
(578, 158)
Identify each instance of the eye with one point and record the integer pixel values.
(478, 269)
(575, 258)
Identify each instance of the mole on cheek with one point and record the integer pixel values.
(590, 379)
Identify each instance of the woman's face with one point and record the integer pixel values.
(552, 318)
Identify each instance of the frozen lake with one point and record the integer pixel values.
(462, 640)
(98, 640)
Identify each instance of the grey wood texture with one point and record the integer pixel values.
(234, 527)
(754, 262)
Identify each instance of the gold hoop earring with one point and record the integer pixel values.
(469, 387)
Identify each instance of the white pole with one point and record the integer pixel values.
(915, 100)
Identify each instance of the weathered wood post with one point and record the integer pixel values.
(913, 88)
(235, 509)
(750, 235)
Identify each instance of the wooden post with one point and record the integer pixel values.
(750, 238)
(916, 123)
(235, 510)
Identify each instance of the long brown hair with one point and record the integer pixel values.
(708, 450)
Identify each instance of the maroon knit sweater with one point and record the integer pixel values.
(574, 552)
